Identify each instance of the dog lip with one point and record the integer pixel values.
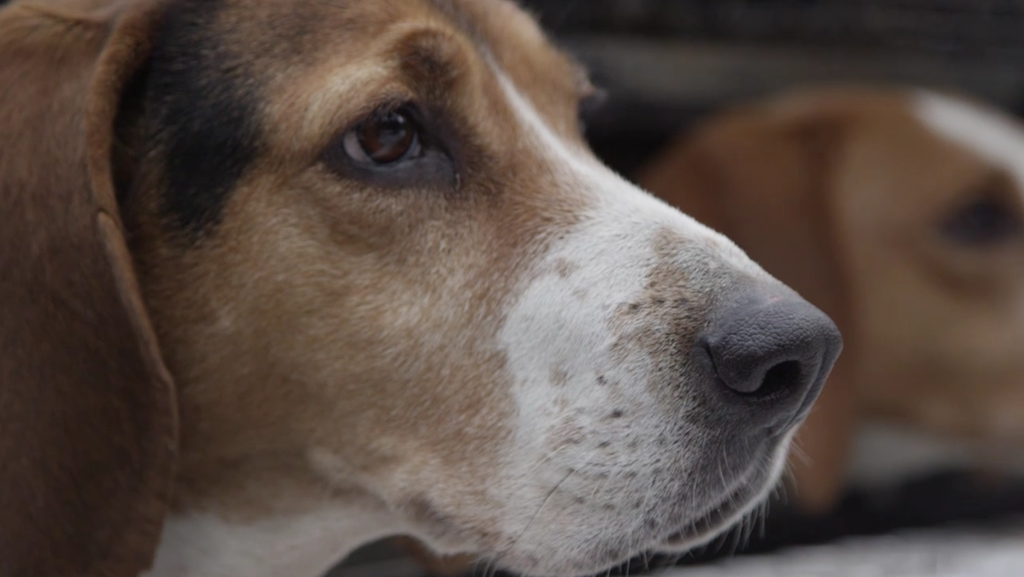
(715, 520)
(690, 534)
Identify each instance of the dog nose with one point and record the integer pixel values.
(771, 355)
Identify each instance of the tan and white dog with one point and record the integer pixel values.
(283, 277)
(901, 214)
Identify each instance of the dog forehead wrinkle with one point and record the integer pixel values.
(995, 139)
(202, 110)
(343, 84)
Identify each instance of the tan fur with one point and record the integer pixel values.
(839, 192)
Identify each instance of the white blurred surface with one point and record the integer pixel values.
(885, 455)
(936, 553)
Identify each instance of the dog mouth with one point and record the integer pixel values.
(727, 511)
(709, 525)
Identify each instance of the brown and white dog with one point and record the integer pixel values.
(901, 214)
(303, 274)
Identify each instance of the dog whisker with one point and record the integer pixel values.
(529, 524)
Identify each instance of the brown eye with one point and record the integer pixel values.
(384, 139)
(984, 221)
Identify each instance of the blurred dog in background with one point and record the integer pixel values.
(901, 213)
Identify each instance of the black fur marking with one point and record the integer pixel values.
(201, 108)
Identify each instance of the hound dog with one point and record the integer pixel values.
(282, 277)
(901, 214)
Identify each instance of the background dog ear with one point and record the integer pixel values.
(87, 408)
(761, 178)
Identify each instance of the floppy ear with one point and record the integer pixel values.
(762, 179)
(87, 408)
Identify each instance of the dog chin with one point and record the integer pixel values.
(735, 504)
(732, 508)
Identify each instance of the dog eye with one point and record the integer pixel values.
(384, 139)
(984, 221)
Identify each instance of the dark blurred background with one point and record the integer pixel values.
(668, 63)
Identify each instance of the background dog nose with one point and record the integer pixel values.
(773, 354)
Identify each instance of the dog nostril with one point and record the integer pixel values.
(778, 378)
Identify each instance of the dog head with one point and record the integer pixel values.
(388, 276)
(901, 214)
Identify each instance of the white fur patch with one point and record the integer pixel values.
(561, 325)
(995, 138)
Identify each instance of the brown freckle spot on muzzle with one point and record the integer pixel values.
(665, 318)
(564, 268)
(559, 377)
(668, 242)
